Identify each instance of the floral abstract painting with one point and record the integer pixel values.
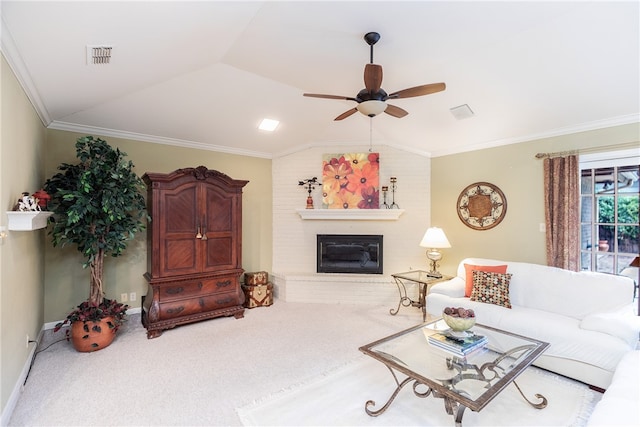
(350, 181)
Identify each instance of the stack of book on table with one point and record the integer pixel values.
(460, 346)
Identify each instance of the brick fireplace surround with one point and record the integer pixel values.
(294, 239)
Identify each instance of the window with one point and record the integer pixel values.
(609, 221)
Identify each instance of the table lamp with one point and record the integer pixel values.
(434, 239)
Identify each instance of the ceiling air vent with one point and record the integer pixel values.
(462, 112)
(97, 55)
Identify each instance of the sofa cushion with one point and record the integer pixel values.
(617, 324)
(491, 288)
(453, 288)
(469, 268)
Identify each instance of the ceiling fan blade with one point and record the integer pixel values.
(372, 77)
(418, 91)
(346, 114)
(317, 95)
(394, 111)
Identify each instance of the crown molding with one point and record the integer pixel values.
(72, 127)
(584, 127)
(17, 65)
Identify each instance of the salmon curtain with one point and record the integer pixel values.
(562, 211)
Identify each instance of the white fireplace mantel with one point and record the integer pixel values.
(351, 214)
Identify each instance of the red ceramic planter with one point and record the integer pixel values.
(85, 337)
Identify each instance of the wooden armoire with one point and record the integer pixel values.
(194, 248)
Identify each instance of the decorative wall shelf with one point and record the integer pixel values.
(351, 214)
(27, 221)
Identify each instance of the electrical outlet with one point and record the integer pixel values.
(132, 296)
(124, 297)
(28, 340)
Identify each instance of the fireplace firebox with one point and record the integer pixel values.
(349, 253)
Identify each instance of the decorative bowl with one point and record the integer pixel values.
(459, 324)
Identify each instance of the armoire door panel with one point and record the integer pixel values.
(220, 253)
(220, 213)
(179, 256)
(180, 214)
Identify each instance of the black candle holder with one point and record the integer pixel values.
(393, 180)
(384, 197)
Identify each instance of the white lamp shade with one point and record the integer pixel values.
(435, 238)
(371, 108)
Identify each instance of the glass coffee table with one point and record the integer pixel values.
(470, 381)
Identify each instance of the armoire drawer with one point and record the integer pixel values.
(206, 303)
(196, 288)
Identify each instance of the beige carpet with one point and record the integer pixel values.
(201, 374)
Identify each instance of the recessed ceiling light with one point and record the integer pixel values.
(268, 125)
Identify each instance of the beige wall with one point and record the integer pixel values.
(67, 284)
(22, 138)
(516, 171)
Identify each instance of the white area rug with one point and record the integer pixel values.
(337, 398)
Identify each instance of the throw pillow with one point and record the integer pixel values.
(491, 288)
(468, 285)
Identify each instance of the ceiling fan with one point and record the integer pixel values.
(372, 99)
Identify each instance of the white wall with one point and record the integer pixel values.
(294, 239)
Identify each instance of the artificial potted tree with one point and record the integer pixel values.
(98, 205)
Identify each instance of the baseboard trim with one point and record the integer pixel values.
(19, 386)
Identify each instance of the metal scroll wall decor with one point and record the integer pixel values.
(481, 206)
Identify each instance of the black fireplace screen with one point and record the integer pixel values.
(349, 253)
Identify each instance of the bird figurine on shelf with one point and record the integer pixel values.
(310, 184)
(26, 203)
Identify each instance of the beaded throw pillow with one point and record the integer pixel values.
(491, 288)
(468, 269)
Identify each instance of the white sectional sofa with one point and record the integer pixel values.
(620, 404)
(587, 317)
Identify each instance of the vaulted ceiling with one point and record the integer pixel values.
(205, 73)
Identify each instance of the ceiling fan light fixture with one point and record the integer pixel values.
(371, 99)
(372, 108)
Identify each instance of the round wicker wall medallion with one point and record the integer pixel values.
(481, 206)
